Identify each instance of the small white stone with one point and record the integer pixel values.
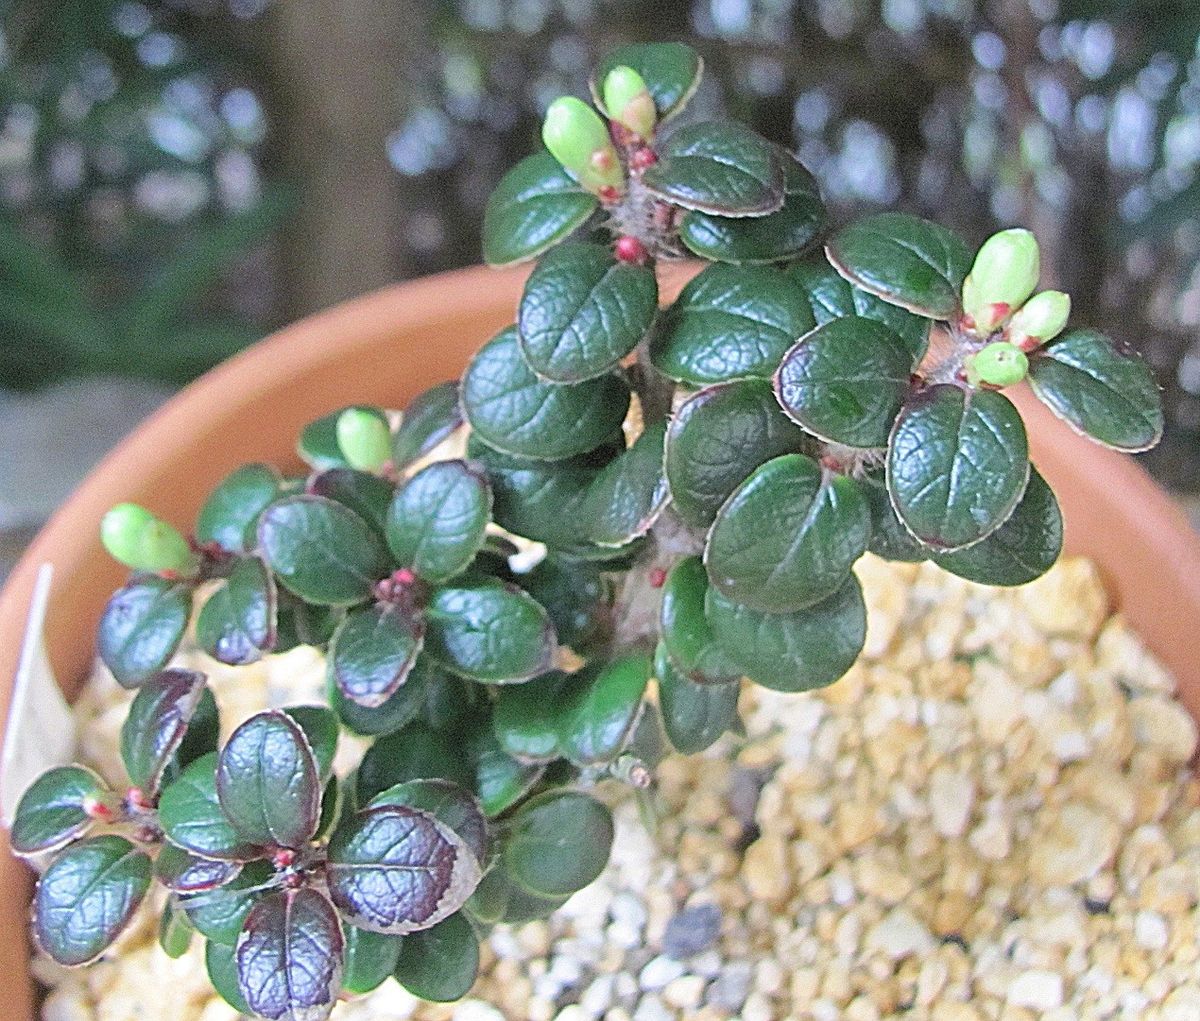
(476, 1010)
(900, 934)
(1037, 989)
(951, 797)
(659, 971)
(685, 992)
(1151, 931)
(598, 996)
(651, 1008)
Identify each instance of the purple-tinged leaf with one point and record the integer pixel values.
(157, 721)
(190, 815)
(373, 650)
(142, 626)
(181, 872)
(53, 811)
(237, 624)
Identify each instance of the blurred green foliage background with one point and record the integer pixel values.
(179, 176)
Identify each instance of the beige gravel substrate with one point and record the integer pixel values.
(991, 817)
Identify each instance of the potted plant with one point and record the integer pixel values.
(794, 408)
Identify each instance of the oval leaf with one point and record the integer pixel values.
(500, 780)
(717, 167)
(491, 633)
(373, 651)
(535, 205)
(1100, 392)
(780, 235)
(788, 536)
(527, 716)
(428, 419)
(404, 704)
(957, 464)
(1025, 547)
(190, 815)
(237, 624)
(218, 914)
(370, 959)
(799, 651)
(558, 843)
(694, 715)
(268, 783)
(418, 752)
(321, 550)
(142, 626)
(157, 722)
(687, 637)
(582, 311)
(184, 873)
(221, 966)
(87, 896)
(369, 496)
(174, 931)
(394, 869)
(515, 412)
(437, 520)
(440, 963)
(229, 517)
(576, 597)
(716, 438)
(846, 381)
(671, 72)
(289, 956)
(730, 322)
(596, 721)
(903, 259)
(450, 804)
(629, 494)
(52, 812)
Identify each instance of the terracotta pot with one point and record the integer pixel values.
(383, 349)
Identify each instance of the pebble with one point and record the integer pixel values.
(691, 931)
(659, 972)
(1038, 990)
(900, 934)
(951, 796)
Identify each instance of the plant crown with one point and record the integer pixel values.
(701, 477)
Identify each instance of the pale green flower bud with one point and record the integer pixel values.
(143, 542)
(628, 101)
(364, 439)
(1004, 275)
(1041, 318)
(998, 364)
(579, 140)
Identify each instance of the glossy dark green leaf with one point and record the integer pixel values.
(719, 167)
(493, 633)
(1025, 547)
(157, 721)
(181, 872)
(716, 438)
(374, 650)
(671, 72)
(558, 843)
(540, 500)
(889, 538)
(694, 715)
(957, 464)
(218, 913)
(174, 931)
(237, 623)
(527, 716)
(396, 870)
(629, 494)
(190, 815)
(318, 445)
(370, 959)
(321, 550)
(428, 419)
(784, 234)
(500, 780)
(52, 811)
(437, 520)
(596, 721)
(523, 906)
(290, 955)
(320, 726)
(229, 516)
(535, 205)
(268, 783)
(831, 296)
(142, 626)
(576, 597)
(582, 311)
(404, 705)
(515, 412)
(799, 651)
(1100, 392)
(730, 322)
(913, 263)
(417, 752)
(845, 381)
(448, 803)
(687, 636)
(221, 966)
(369, 496)
(788, 536)
(487, 904)
(202, 734)
(440, 963)
(87, 896)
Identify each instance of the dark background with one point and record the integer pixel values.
(179, 176)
